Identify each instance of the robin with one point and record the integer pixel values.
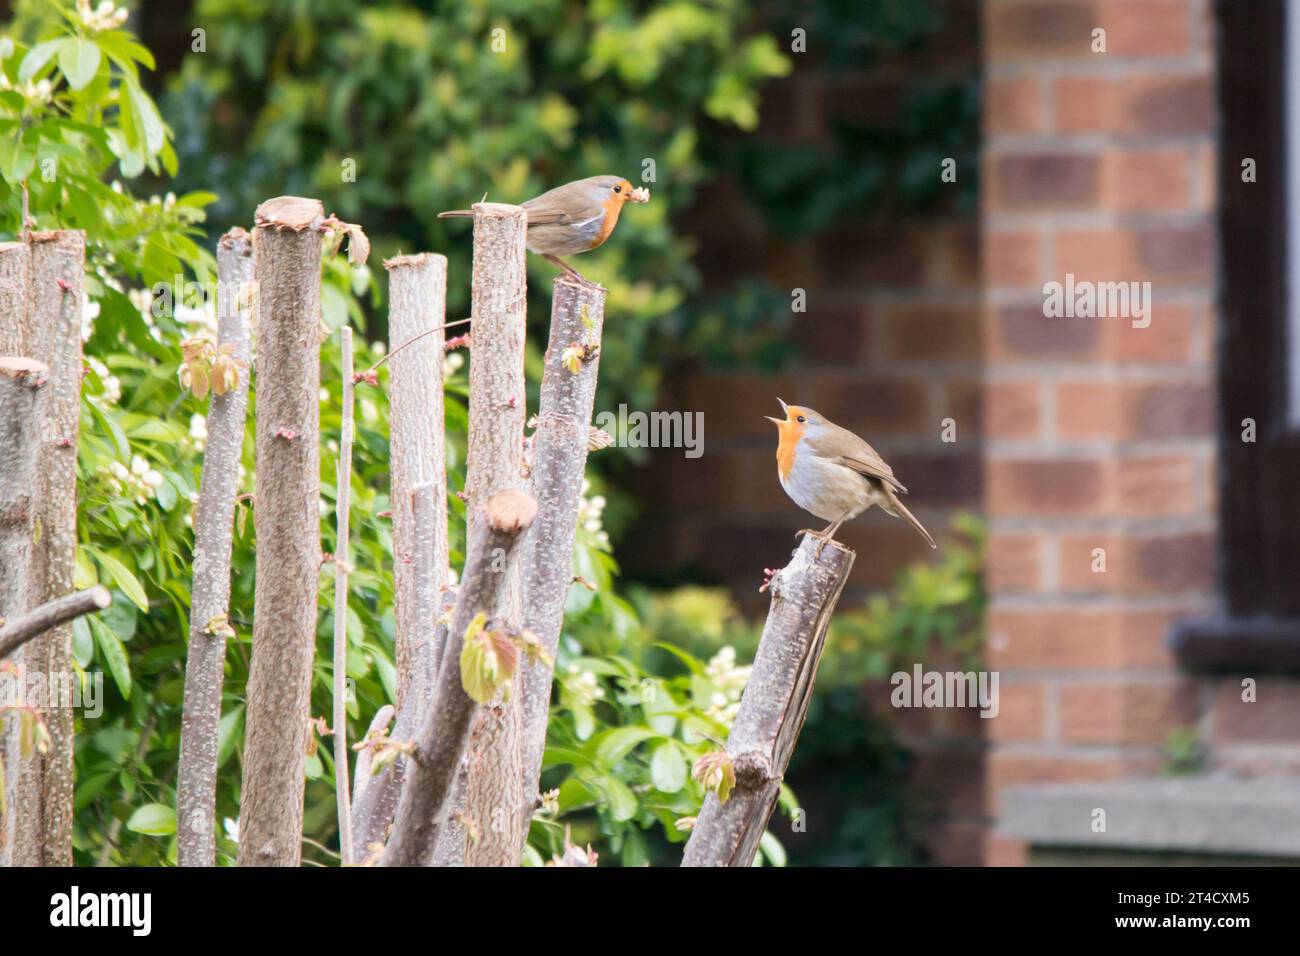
(833, 473)
(573, 218)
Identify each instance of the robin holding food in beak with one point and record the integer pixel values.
(834, 474)
(573, 218)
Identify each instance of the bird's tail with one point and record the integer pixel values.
(457, 214)
(899, 510)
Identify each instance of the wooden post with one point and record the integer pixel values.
(15, 323)
(205, 663)
(440, 746)
(56, 299)
(417, 297)
(286, 509)
(497, 400)
(773, 706)
(375, 797)
(559, 463)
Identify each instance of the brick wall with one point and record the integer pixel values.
(1099, 434)
(889, 346)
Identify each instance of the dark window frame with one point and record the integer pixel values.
(1259, 482)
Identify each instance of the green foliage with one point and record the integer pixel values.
(1184, 752)
(432, 106)
(934, 612)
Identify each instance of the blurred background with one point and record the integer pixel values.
(854, 207)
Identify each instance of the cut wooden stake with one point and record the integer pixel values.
(440, 746)
(20, 431)
(18, 631)
(15, 322)
(205, 662)
(56, 301)
(773, 706)
(559, 460)
(417, 293)
(287, 514)
(375, 798)
(497, 399)
(341, 567)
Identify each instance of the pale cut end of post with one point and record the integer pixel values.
(511, 510)
(413, 259)
(15, 366)
(499, 210)
(235, 238)
(293, 213)
(101, 596)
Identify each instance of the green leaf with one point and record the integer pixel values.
(79, 61)
(622, 801)
(114, 656)
(146, 115)
(613, 745)
(36, 59)
(668, 768)
(124, 579)
(153, 819)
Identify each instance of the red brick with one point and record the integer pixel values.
(1141, 105)
(1023, 332)
(1273, 717)
(1013, 562)
(1014, 104)
(1156, 485)
(1044, 182)
(933, 331)
(1146, 28)
(1012, 410)
(1038, 30)
(1074, 638)
(1124, 410)
(871, 407)
(1169, 340)
(1138, 564)
(1169, 255)
(1021, 713)
(1004, 851)
(1012, 259)
(1143, 713)
(1139, 180)
(1045, 487)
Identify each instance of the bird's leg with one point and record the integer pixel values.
(828, 535)
(566, 268)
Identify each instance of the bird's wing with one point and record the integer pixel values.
(562, 205)
(845, 448)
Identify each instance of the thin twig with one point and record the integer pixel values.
(341, 568)
(412, 340)
(36, 622)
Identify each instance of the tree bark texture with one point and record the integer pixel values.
(417, 303)
(559, 462)
(286, 508)
(495, 462)
(773, 706)
(433, 769)
(376, 797)
(56, 299)
(196, 789)
(15, 322)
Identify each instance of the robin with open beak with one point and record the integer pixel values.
(573, 218)
(833, 473)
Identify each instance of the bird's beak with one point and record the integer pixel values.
(779, 421)
(783, 407)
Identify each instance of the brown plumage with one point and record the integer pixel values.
(573, 218)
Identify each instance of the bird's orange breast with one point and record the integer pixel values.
(613, 206)
(790, 435)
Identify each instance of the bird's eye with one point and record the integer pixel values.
(801, 420)
(618, 189)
